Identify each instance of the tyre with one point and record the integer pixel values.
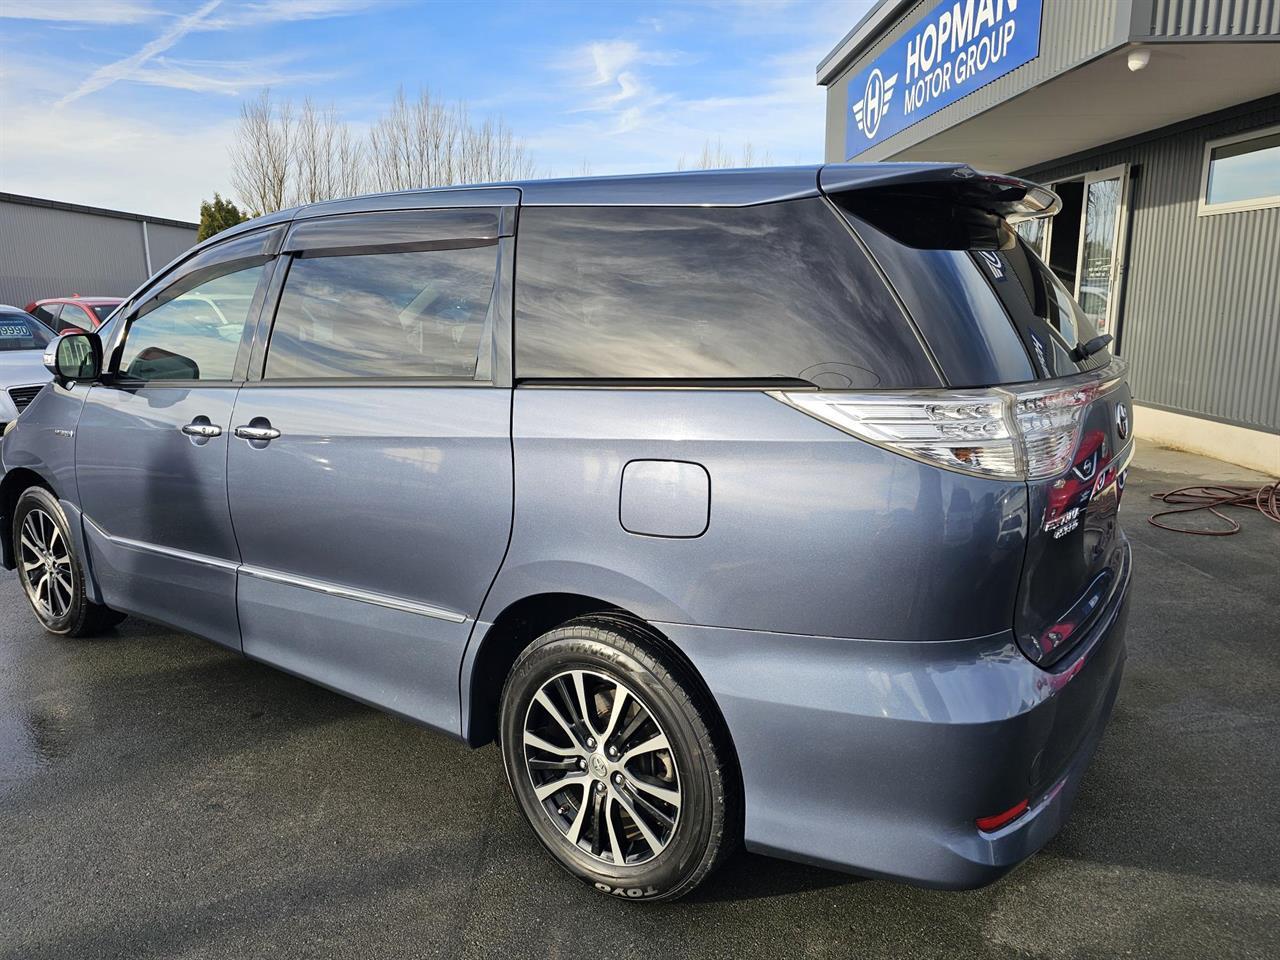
(617, 761)
(51, 574)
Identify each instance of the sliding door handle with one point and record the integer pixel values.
(255, 432)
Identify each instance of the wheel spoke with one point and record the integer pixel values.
(29, 565)
(664, 794)
(547, 789)
(575, 828)
(650, 837)
(579, 690)
(542, 698)
(615, 711)
(535, 741)
(656, 742)
(614, 847)
(43, 589)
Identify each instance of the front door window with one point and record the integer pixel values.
(194, 336)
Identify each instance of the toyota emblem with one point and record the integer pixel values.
(1122, 421)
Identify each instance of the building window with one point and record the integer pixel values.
(1241, 173)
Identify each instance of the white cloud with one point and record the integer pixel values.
(263, 12)
(159, 167)
(228, 77)
(124, 69)
(626, 114)
(80, 11)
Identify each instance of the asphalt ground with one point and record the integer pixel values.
(161, 797)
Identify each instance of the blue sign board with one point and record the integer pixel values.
(959, 46)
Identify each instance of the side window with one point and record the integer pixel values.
(73, 318)
(417, 314)
(1241, 173)
(48, 314)
(194, 336)
(775, 291)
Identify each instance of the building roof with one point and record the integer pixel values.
(864, 33)
(96, 211)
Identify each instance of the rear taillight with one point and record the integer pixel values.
(1026, 432)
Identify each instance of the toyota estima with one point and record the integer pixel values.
(775, 506)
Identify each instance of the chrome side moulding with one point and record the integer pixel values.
(350, 593)
(260, 573)
(200, 558)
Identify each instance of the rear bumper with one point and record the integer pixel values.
(877, 756)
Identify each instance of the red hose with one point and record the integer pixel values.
(1265, 499)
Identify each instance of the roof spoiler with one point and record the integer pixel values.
(1012, 198)
(947, 206)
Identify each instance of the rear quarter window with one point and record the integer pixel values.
(1046, 316)
(773, 291)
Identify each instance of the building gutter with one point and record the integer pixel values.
(865, 32)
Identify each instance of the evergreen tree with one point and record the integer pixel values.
(216, 215)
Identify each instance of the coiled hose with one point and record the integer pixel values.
(1213, 497)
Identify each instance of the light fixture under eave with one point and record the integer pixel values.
(1138, 59)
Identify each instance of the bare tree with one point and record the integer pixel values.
(349, 156)
(314, 165)
(262, 154)
(715, 156)
(282, 155)
(429, 143)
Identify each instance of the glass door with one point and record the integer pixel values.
(1102, 232)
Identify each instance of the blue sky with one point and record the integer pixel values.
(132, 103)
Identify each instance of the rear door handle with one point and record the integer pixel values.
(251, 432)
(201, 427)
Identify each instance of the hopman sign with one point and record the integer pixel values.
(959, 46)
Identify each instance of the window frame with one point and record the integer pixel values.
(184, 280)
(1206, 209)
(362, 236)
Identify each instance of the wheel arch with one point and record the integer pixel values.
(526, 619)
(13, 484)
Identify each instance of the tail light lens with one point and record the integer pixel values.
(1017, 432)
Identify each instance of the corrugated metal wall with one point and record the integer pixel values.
(1201, 320)
(168, 242)
(1072, 32)
(1212, 18)
(51, 252)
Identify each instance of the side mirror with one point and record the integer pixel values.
(74, 357)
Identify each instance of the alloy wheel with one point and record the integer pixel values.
(602, 767)
(44, 561)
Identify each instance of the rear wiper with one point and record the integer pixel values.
(1088, 349)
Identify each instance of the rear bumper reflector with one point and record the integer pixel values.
(995, 822)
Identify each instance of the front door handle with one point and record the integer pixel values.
(254, 431)
(201, 427)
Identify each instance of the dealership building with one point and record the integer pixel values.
(53, 249)
(1158, 124)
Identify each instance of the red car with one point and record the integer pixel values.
(74, 312)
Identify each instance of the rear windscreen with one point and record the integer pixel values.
(779, 290)
(991, 316)
(20, 332)
(1046, 316)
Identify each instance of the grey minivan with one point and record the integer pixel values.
(774, 506)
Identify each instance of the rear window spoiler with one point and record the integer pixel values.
(938, 205)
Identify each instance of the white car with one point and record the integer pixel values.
(22, 372)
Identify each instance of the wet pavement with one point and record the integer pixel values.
(162, 797)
